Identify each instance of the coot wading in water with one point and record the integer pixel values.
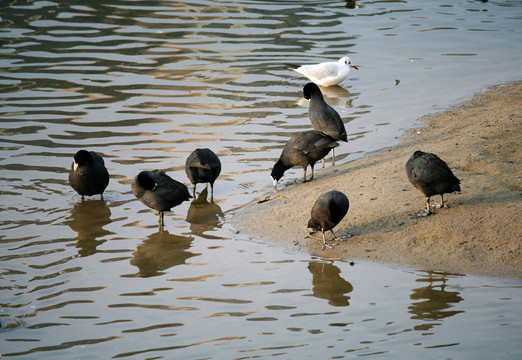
(432, 176)
(323, 117)
(88, 175)
(304, 148)
(159, 191)
(203, 166)
(329, 209)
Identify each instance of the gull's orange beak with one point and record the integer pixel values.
(355, 67)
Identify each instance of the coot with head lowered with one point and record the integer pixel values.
(159, 191)
(329, 209)
(431, 175)
(304, 148)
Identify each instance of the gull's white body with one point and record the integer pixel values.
(326, 73)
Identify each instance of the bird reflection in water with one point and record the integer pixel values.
(328, 283)
(204, 216)
(87, 220)
(335, 96)
(434, 300)
(161, 251)
(351, 4)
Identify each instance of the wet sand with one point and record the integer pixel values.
(479, 232)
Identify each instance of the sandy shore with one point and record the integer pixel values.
(481, 230)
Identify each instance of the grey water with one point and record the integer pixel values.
(143, 83)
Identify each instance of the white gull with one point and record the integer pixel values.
(326, 73)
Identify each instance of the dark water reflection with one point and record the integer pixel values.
(160, 252)
(144, 83)
(328, 284)
(87, 220)
(434, 302)
(204, 215)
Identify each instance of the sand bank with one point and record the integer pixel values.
(481, 230)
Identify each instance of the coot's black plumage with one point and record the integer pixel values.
(159, 191)
(203, 166)
(431, 175)
(329, 209)
(88, 175)
(304, 148)
(322, 116)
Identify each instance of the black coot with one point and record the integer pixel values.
(88, 175)
(431, 175)
(322, 116)
(159, 191)
(329, 209)
(304, 148)
(203, 166)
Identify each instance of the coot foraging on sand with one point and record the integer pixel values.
(431, 175)
(159, 191)
(88, 175)
(304, 148)
(329, 209)
(322, 116)
(327, 73)
(203, 166)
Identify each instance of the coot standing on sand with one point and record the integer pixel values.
(203, 166)
(88, 175)
(328, 211)
(322, 116)
(159, 191)
(327, 73)
(431, 175)
(304, 148)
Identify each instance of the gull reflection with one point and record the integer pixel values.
(87, 220)
(434, 300)
(203, 215)
(336, 96)
(161, 251)
(328, 283)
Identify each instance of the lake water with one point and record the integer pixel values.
(143, 83)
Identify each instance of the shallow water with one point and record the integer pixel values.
(143, 84)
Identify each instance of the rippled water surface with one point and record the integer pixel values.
(143, 83)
